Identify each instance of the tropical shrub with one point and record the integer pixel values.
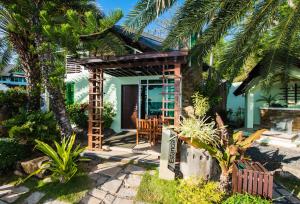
(13, 100)
(201, 104)
(198, 132)
(63, 159)
(199, 191)
(10, 153)
(27, 127)
(78, 114)
(245, 199)
(108, 114)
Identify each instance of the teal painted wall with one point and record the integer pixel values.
(112, 91)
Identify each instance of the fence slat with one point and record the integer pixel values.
(270, 194)
(245, 180)
(266, 185)
(240, 181)
(255, 182)
(250, 181)
(260, 184)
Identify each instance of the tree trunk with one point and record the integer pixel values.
(46, 60)
(31, 68)
(58, 106)
(224, 182)
(34, 89)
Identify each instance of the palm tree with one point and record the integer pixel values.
(244, 22)
(27, 23)
(5, 53)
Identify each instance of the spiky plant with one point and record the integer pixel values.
(62, 160)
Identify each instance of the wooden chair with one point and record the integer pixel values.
(156, 130)
(143, 128)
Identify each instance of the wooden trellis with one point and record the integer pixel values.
(95, 130)
(171, 94)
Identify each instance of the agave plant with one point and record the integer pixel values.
(63, 160)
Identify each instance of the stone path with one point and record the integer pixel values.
(10, 193)
(115, 183)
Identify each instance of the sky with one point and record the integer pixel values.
(109, 5)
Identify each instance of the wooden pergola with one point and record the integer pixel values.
(168, 65)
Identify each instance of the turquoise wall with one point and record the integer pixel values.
(112, 91)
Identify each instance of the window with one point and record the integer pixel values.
(70, 88)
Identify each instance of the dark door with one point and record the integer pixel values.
(129, 106)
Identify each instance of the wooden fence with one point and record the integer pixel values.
(253, 178)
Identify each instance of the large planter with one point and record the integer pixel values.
(198, 163)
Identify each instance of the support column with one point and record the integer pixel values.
(177, 96)
(249, 112)
(95, 126)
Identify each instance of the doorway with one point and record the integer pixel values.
(129, 109)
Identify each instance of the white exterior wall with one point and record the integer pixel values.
(112, 91)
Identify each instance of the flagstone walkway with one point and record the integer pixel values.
(115, 182)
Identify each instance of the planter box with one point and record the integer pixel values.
(198, 163)
(252, 178)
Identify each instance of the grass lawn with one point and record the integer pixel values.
(292, 184)
(154, 190)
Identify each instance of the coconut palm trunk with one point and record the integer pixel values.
(29, 62)
(57, 100)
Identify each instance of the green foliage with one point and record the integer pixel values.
(10, 153)
(155, 190)
(63, 159)
(268, 99)
(78, 115)
(30, 126)
(13, 101)
(201, 104)
(195, 190)
(245, 199)
(108, 114)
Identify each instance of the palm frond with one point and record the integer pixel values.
(228, 15)
(244, 42)
(145, 12)
(190, 19)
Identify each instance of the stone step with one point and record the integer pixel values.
(122, 156)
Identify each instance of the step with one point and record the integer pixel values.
(122, 156)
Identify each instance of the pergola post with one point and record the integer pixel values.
(95, 124)
(177, 96)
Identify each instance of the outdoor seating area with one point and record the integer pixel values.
(150, 128)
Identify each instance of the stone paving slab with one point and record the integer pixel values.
(109, 199)
(127, 193)
(97, 193)
(34, 198)
(122, 201)
(5, 189)
(111, 172)
(112, 186)
(90, 200)
(132, 181)
(15, 194)
(133, 169)
(101, 180)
